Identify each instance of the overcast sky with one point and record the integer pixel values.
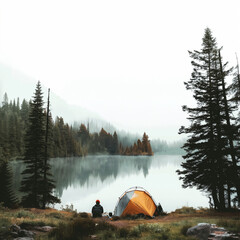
(125, 60)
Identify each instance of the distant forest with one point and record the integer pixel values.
(68, 140)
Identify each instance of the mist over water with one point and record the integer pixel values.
(80, 181)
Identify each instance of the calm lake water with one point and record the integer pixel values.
(80, 181)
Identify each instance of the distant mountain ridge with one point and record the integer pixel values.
(18, 85)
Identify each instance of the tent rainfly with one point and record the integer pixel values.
(135, 200)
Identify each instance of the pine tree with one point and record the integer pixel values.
(115, 148)
(7, 195)
(83, 135)
(37, 182)
(235, 87)
(231, 130)
(48, 183)
(146, 146)
(34, 152)
(207, 147)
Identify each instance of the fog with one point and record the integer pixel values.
(122, 62)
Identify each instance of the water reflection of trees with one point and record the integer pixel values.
(79, 171)
(88, 170)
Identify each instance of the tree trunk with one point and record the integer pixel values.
(229, 132)
(46, 156)
(229, 196)
(215, 198)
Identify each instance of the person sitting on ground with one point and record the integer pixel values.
(97, 210)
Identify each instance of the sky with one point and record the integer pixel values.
(125, 60)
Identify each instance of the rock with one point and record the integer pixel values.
(25, 233)
(201, 231)
(14, 234)
(44, 229)
(220, 233)
(93, 236)
(23, 238)
(15, 228)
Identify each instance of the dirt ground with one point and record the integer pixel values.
(170, 218)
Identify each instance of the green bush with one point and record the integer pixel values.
(2, 206)
(108, 235)
(100, 226)
(123, 233)
(24, 214)
(186, 210)
(30, 224)
(135, 233)
(184, 229)
(56, 215)
(77, 229)
(83, 215)
(4, 226)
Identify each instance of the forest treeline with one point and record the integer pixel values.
(212, 148)
(14, 121)
(65, 140)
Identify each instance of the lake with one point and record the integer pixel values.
(80, 181)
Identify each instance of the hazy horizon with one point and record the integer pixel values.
(59, 107)
(124, 62)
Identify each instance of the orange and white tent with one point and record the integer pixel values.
(135, 200)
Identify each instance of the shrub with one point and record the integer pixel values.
(2, 207)
(4, 226)
(104, 226)
(67, 208)
(83, 215)
(56, 215)
(186, 210)
(83, 226)
(135, 233)
(31, 224)
(108, 235)
(24, 214)
(78, 229)
(184, 229)
(123, 232)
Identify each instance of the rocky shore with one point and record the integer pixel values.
(206, 231)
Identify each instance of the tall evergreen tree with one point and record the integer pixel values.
(83, 135)
(231, 130)
(7, 196)
(115, 148)
(48, 183)
(235, 87)
(208, 146)
(34, 152)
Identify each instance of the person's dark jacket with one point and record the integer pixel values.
(97, 210)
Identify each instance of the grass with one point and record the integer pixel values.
(232, 225)
(163, 231)
(80, 228)
(186, 210)
(35, 217)
(77, 226)
(4, 226)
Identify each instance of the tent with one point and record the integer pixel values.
(135, 200)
